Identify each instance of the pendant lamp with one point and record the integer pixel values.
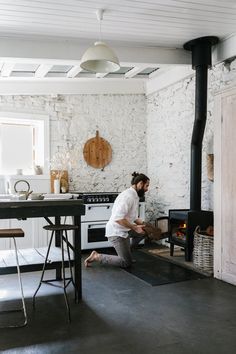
(100, 58)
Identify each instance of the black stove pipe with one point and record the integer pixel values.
(201, 61)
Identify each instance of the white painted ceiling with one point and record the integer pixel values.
(144, 25)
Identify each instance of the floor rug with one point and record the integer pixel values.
(156, 271)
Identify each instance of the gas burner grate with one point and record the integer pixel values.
(96, 197)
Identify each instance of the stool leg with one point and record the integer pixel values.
(21, 287)
(171, 249)
(64, 277)
(68, 251)
(44, 268)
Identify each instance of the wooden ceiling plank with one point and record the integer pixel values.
(122, 17)
(89, 6)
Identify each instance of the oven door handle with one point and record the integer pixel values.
(99, 206)
(96, 226)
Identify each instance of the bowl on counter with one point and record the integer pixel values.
(36, 196)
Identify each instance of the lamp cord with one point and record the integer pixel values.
(99, 14)
(100, 30)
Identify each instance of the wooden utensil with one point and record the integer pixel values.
(97, 152)
(64, 180)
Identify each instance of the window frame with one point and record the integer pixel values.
(30, 118)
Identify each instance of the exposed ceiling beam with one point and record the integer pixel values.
(159, 71)
(168, 77)
(42, 70)
(137, 69)
(224, 50)
(74, 71)
(73, 50)
(101, 75)
(44, 86)
(7, 69)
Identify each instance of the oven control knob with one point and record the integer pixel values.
(100, 200)
(89, 200)
(107, 199)
(95, 200)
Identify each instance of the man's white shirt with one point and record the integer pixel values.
(125, 207)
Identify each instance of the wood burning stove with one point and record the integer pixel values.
(182, 223)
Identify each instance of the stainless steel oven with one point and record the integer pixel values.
(93, 235)
(98, 207)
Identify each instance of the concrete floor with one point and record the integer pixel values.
(122, 314)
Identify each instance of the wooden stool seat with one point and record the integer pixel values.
(60, 227)
(11, 233)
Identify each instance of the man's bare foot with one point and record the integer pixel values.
(94, 257)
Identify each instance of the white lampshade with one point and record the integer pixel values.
(100, 59)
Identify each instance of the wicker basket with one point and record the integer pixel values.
(203, 251)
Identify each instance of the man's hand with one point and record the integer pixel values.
(134, 227)
(139, 221)
(139, 229)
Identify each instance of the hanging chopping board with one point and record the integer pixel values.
(97, 152)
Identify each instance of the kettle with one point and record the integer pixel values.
(22, 194)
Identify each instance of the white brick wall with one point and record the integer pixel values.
(170, 117)
(152, 135)
(120, 119)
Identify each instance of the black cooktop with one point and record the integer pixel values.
(97, 197)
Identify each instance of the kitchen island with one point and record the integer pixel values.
(24, 209)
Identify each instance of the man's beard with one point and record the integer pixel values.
(141, 192)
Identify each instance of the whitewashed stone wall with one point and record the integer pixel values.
(120, 119)
(151, 134)
(170, 117)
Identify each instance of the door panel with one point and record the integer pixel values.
(228, 188)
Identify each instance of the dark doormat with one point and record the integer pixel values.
(156, 271)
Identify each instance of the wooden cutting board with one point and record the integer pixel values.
(97, 152)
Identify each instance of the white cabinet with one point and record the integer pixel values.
(35, 235)
(225, 187)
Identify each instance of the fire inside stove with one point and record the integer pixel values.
(180, 231)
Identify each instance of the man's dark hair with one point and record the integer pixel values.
(137, 177)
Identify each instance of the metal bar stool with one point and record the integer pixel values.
(13, 233)
(62, 231)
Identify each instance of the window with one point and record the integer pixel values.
(23, 142)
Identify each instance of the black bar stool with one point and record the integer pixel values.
(13, 233)
(62, 231)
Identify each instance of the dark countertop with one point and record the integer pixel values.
(41, 208)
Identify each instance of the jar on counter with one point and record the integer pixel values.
(38, 170)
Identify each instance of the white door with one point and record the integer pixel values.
(225, 188)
